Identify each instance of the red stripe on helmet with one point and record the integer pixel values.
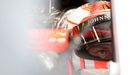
(82, 63)
(101, 64)
(72, 22)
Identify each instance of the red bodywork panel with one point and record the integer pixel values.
(50, 40)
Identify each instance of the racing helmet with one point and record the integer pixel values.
(93, 36)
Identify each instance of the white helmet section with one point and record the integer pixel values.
(76, 17)
(61, 23)
(73, 18)
(94, 72)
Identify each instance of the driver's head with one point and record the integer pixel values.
(95, 36)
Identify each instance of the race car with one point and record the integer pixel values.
(90, 26)
(86, 32)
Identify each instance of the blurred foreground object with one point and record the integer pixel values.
(49, 40)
